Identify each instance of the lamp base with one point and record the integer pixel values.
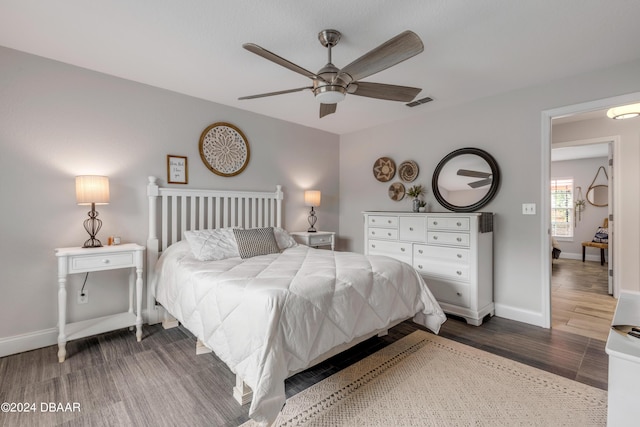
(92, 224)
(312, 221)
(92, 243)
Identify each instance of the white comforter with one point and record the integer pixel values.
(270, 315)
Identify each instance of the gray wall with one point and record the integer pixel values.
(58, 121)
(509, 127)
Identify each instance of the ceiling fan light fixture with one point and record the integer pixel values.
(624, 112)
(330, 94)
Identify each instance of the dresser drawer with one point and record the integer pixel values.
(442, 269)
(383, 221)
(442, 223)
(412, 228)
(425, 253)
(383, 233)
(458, 294)
(102, 262)
(449, 239)
(397, 250)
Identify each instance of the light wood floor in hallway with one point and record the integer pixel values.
(580, 302)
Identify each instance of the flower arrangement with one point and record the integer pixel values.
(415, 191)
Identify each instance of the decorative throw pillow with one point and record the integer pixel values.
(602, 235)
(212, 245)
(256, 241)
(283, 238)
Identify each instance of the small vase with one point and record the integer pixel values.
(422, 209)
(416, 205)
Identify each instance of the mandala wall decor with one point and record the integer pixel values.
(396, 191)
(224, 149)
(384, 169)
(408, 171)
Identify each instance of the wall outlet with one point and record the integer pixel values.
(83, 299)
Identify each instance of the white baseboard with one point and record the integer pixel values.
(29, 341)
(587, 257)
(526, 316)
(34, 340)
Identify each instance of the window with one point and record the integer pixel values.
(562, 207)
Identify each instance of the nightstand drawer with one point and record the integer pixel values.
(319, 240)
(383, 233)
(105, 261)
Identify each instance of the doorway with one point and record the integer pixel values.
(581, 301)
(545, 202)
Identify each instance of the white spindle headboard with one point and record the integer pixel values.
(172, 211)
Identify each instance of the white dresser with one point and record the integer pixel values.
(452, 251)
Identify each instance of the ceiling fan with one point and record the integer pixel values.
(332, 84)
(487, 177)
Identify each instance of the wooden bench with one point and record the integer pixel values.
(601, 246)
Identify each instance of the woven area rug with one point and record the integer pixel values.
(426, 380)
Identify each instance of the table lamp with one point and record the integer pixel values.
(92, 190)
(312, 198)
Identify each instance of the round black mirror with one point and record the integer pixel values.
(465, 180)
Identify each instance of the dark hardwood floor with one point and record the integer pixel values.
(161, 381)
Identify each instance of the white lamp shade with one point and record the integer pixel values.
(624, 112)
(312, 198)
(92, 189)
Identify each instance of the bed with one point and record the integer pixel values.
(268, 313)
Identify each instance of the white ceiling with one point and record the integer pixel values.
(473, 49)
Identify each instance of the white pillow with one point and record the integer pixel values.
(283, 238)
(212, 245)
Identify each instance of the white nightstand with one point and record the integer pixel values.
(319, 238)
(82, 260)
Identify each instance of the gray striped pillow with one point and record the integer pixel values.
(256, 241)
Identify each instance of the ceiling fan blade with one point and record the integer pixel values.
(474, 174)
(385, 91)
(481, 183)
(280, 92)
(400, 48)
(254, 48)
(326, 109)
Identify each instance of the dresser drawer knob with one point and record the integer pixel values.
(459, 224)
(459, 239)
(459, 294)
(402, 249)
(435, 237)
(419, 266)
(373, 232)
(389, 234)
(459, 255)
(373, 246)
(105, 261)
(410, 228)
(459, 273)
(389, 221)
(419, 251)
(373, 220)
(435, 222)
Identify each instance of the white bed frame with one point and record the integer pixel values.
(172, 211)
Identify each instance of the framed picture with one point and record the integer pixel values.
(177, 171)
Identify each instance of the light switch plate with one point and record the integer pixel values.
(528, 209)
